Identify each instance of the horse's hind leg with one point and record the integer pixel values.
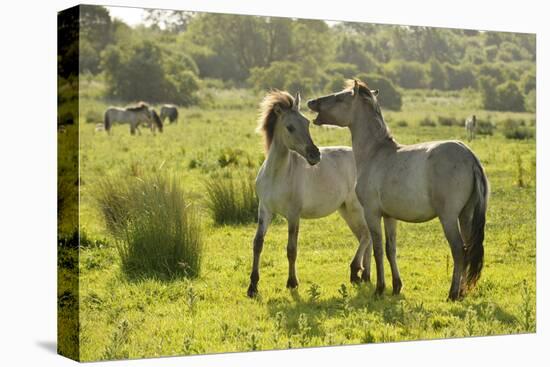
(264, 219)
(353, 215)
(452, 233)
(391, 253)
(292, 251)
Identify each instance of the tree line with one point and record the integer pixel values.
(174, 53)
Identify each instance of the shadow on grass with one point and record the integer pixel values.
(363, 299)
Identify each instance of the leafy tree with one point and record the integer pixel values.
(388, 96)
(460, 77)
(281, 75)
(138, 73)
(510, 97)
(504, 97)
(95, 34)
(351, 51)
(528, 82)
(407, 74)
(174, 21)
(438, 75)
(488, 93)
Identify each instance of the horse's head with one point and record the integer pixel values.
(293, 130)
(337, 108)
(281, 120)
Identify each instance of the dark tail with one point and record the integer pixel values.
(107, 122)
(474, 250)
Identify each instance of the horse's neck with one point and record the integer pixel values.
(278, 159)
(367, 138)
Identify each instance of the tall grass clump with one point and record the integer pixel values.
(157, 232)
(232, 200)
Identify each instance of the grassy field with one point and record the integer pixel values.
(122, 317)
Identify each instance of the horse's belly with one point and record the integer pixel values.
(408, 208)
(319, 210)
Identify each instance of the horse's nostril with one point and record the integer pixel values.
(312, 104)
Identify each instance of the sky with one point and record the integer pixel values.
(133, 16)
(130, 16)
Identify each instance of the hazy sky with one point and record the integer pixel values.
(133, 16)
(130, 16)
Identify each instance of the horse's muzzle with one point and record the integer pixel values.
(313, 155)
(313, 104)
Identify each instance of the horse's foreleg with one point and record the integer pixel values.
(452, 233)
(292, 252)
(264, 218)
(391, 253)
(375, 228)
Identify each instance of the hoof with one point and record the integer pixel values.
(454, 296)
(354, 278)
(380, 290)
(252, 290)
(397, 285)
(292, 283)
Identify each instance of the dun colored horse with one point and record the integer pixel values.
(297, 180)
(470, 126)
(134, 116)
(412, 183)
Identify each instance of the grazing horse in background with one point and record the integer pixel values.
(156, 121)
(134, 116)
(169, 111)
(412, 183)
(297, 181)
(470, 125)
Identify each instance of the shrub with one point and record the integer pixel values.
(448, 121)
(513, 129)
(427, 122)
(157, 232)
(402, 123)
(484, 127)
(232, 201)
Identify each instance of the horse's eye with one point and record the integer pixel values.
(290, 128)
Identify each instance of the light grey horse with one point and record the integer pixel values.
(412, 183)
(169, 111)
(134, 116)
(298, 181)
(470, 126)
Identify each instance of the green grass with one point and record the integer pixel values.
(121, 317)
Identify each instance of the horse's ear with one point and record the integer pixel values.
(297, 101)
(355, 87)
(374, 92)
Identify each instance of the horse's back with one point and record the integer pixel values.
(420, 179)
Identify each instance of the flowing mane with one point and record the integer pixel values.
(268, 118)
(383, 128)
(138, 107)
